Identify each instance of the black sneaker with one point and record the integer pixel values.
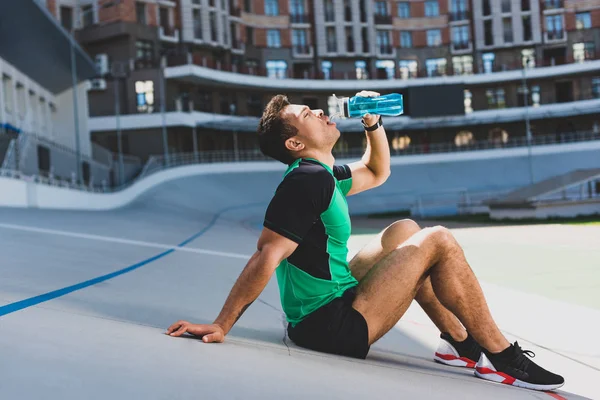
(512, 367)
(457, 354)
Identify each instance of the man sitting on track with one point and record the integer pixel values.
(343, 308)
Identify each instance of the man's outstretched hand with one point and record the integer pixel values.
(209, 333)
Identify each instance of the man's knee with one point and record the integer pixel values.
(398, 232)
(441, 236)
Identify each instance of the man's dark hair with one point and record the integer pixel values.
(274, 130)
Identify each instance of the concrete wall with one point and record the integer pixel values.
(64, 122)
(437, 182)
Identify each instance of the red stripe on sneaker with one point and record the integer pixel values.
(450, 357)
(556, 396)
(509, 380)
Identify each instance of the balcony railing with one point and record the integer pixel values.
(302, 48)
(462, 45)
(385, 49)
(555, 35)
(460, 15)
(381, 19)
(553, 4)
(299, 18)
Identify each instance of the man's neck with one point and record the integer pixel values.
(326, 158)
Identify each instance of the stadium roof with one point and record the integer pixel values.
(34, 43)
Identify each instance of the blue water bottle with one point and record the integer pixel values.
(358, 106)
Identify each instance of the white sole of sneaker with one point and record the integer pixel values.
(485, 370)
(447, 354)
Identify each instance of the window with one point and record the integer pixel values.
(528, 58)
(506, 6)
(583, 20)
(487, 9)
(463, 138)
(144, 53)
(8, 93)
(408, 69)
(140, 12)
(144, 91)
(273, 38)
(532, 94)
(250, 35)
(460, 37)
(381, 8)
(527, 35)
(248, 6)
(488, 33)
(365, 39)
(436, 67)
(347, 11)
(596, 87)
(326, 68)
(488, 62)
(225, 30)
(331, 40)
(276, 69)
(299, 41)
(432, 8)
(21, 101)
(329, 13)
(66, 17)
(361, 70)
(404, 9)
(349, 40)
(271, 7)
(554, 27)
(550, 4)
(87, 13)
(468, 101)
(495, 98)
(508, 30)
(462, 65)
(388, 66)
(406, 39)
(458, 6)
(434, 37)
(197, 24)
(213, 25)
(297, 7)
(400, 142)
(363, 11)
(583, 51)
(525, 5)
(383, 42)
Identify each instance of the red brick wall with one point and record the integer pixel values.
(445, 35)
(151, 16)
(570, 21)
(121, 12)
(284, 7)
(286, 37)
(419, 38)
(260, 37)
(595, 18)
(417, 9)
(258, 7)
(51, 4)
(444, 6)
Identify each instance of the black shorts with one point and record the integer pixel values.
(335, 328)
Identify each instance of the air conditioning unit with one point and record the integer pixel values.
(98, 84)
(102, 64)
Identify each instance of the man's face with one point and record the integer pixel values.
(315, 130)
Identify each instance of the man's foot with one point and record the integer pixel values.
(457, 354)
(512, 367)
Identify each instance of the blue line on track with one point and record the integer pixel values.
(32, 301)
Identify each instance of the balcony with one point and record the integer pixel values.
(553, 4)
(555, 36)
(168, 34)
(299, 19)
(462, 15)
(385, 49)
(381, 19)
(461, 47)
(302, 51)
(237, 46)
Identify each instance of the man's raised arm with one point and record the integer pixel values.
(374, 167)
(272, 249)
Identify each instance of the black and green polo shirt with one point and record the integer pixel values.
(310, 208)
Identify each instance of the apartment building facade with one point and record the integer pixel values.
(225, 58)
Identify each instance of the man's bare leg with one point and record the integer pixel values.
(382, 245)
(386, 291)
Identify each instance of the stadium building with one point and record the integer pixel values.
(493, 67)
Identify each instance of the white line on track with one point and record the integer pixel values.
(122, 241)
